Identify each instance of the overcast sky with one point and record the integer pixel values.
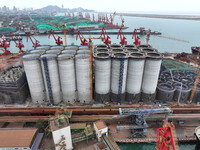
(110, 5)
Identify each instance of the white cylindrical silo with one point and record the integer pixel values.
(150, 76)
(53, 52)
(83, 52)
(34, 76)
(100, 46)
(83, 47)
(45, 47)
(115, 46)
(57, 48)
(37, 51)
(69, 52)
(67, 77)
(51, 77)
(117, 50)
(102, 77)
(71, 48)
(118, 77)
(83, 77)
(134, 77)
(102, 50)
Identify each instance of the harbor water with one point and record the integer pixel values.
(180, 29)
(149, 146)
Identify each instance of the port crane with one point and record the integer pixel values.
(58, 40)
(5, 45)
(138, 118)
(166, 137)
(36, 43)
(122, 19)
(106, 38)
(122, 37)
(20, 44)
(112, 17)
(137, 42)
(81, 37)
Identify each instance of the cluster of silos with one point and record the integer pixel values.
(177, 86)
(126, 73)
(58, 74)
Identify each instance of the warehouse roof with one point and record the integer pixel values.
(100, 125)
(17, 137)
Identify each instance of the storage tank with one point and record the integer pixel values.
(165, 92)
(132, 50)
(118, 77)
(102, 50)
(129, 46)
(83, 52)
(134, 77)
(33, 71)
(37, 51)
(100, 46)
(102, 77)
(45, 47)
(144, 46)
(185, 93)
(83, 78)
(67, 77)
(53, 52)
(150, 77)
(117, 50)
(69, 52)
(148, 50)
(51, 77)
(71, 48)
(115, 46)
(83, 47)
(57, 48)
(196, 97)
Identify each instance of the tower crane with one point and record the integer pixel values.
(58, 40)
(81, 37)
(106, 38)
(137, 42)
(36, 43)
(5, 45)
(122, 37)
(166, 139)
(138, 117)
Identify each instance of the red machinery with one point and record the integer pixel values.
(20, 44)
(106, 39)
(58, 41)
(80, 14)
(93, 18)
(5, 45)
(122, 25)
(87, 16)
(83, 40)
(112, 17)
(122, 37)
(69, 15)
(137, 42)
(165, 137)
(36, 43)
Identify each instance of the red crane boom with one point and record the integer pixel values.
(137, 42)
(122, 37)
(36, 43)
(58, 41)
(106, 39)
(20, 44)
(5, 45)
(81, 37)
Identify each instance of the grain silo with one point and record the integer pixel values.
(34, 76)
(102, 77)
(51, 78)
(136, 63)
(67, 77)
(118, 77)
(150, 77)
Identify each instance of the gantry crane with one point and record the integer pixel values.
(137, 42)
(5, 45)
(122, 37)
(36, 43)
(138, 118)
(166, 137)
(106, 38)
(58, 40)
(81, 37)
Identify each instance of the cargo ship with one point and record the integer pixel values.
(195, 50)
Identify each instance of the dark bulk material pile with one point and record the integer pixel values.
(177, 86)
(13, 86)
